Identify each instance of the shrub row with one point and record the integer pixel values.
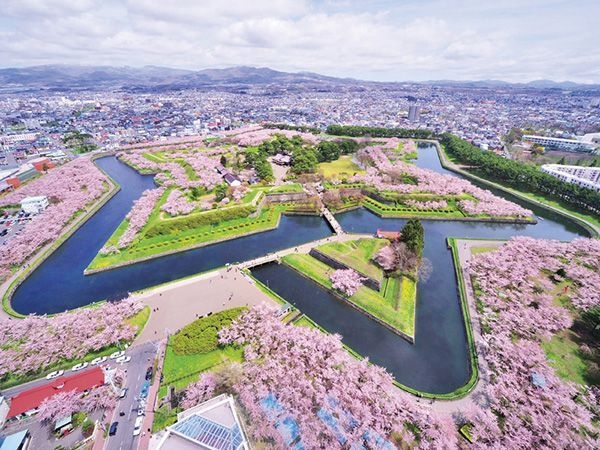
(201, 336)
(197, 220)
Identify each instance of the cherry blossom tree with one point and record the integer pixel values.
(347, 281)
(336, 400)
(32, 343)
(73, 187)
(67, 403)
(518, 312)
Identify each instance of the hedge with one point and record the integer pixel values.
(172, 226)
(201, 336)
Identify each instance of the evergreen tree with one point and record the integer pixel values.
(413, 235)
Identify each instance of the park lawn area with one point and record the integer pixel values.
(304, 321)
(475, 250)
(139, 319)
(181, 370)
(287, 188)
(203, 235)
(403, 318)
(563, 354)
(357, 255)
(343, 166)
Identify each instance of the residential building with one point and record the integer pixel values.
(570, 145)
(588, 177)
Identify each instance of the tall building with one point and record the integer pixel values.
(413, 113)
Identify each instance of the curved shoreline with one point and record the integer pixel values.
(19, 277)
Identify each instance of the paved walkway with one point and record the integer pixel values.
(478, 393)
(176, 304)
(332, 221)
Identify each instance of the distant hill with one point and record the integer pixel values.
(237, 79)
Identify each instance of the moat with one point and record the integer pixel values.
(438, 362)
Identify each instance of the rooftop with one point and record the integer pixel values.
(212, 425)
(34, 397)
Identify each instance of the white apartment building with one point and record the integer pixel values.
(588, 177)
(570, 145)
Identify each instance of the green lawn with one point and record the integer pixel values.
(304, 321)
(181, 370)
(139, 320)
(148, 247)
(482, 249)
(287, 188)
(563, 354)
(397, 312)
(357, 255)
(341, 167)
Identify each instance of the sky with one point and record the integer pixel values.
(393, 40)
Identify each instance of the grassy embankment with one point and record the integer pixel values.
(395, 304)
(182, 233)
(138, 320)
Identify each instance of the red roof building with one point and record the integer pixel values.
(391, 235)
(32, 398)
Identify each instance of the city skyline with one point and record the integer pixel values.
(380, 41)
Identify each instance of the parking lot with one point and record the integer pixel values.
(12, 223)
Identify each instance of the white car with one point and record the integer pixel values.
(123, 359)
(98, 360)
(138, 425)
(79, 366)
(55, 374)
(117, 354)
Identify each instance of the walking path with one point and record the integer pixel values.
(337, 228)
(176, 304)
(477, 395)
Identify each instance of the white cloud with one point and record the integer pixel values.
(387, 40)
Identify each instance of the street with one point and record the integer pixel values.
(142, 357)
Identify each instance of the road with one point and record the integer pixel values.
(142, 357)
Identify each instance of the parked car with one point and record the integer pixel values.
(98, 360)
(149, 373)
(79, 366)
(117, 354)
(137, 428)
(55, 374)
(123, 393)
(123, 359)
(113, 428)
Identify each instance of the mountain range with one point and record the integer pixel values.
(148, 78)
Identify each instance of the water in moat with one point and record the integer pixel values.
(437, 362)
(59, 283)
